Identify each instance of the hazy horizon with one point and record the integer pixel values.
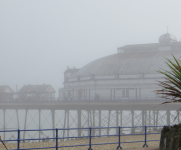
(39, 39)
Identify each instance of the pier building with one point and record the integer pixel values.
(131, 73)
(37, 92)
(6, 93)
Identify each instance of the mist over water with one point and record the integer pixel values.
(40, 40)
(62, 121)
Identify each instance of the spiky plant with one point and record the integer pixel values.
(171, 86)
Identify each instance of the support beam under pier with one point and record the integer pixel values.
(79, 122)
(99, 122)
(4, 123)
(168, 117)
(26, 112)
(40, 124)
(53, 123)
(132, 129)
(68, 123)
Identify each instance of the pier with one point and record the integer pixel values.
(83, 114)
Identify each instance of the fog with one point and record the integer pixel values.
(39, 39)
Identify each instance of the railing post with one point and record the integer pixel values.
(145, 139)
(90, 139)
(119, 146)
(56, 139)
(18, 139)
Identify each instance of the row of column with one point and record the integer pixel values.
(137, 93)
(88, 94)
(146, 116)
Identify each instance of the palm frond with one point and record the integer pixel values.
(171, 86)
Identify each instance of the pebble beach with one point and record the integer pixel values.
(94, 141)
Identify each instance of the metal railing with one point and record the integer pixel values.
(147, 98)
(89, 136)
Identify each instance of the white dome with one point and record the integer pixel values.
(128, 63)
(167, 38)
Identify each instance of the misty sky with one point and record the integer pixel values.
(40, 38)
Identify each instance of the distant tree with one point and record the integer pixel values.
(171, 86)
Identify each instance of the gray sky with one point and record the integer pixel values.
(40, 38)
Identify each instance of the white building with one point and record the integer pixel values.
(128, 75)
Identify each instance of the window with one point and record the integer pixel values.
(141, 75)
(117, 76)
(125, 93)
(78, 78)
(92, 76)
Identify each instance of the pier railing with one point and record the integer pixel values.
(89, 136)
(147, 98)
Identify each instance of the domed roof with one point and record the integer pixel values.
(128, 63)
(167, 37)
